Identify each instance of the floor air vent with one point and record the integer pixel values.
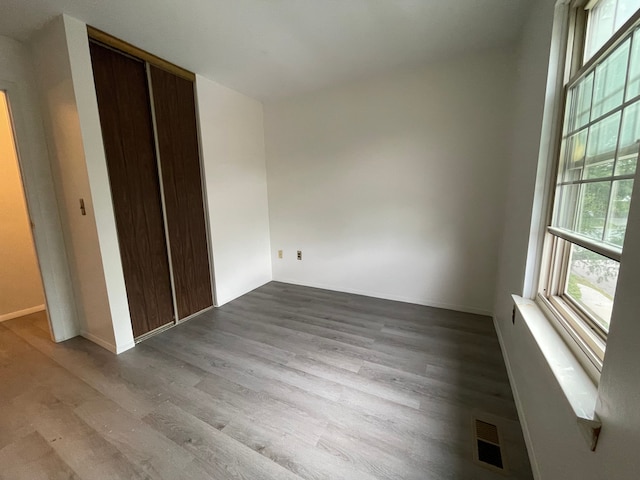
(487, 445)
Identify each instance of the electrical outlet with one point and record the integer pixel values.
(299, 254)
(279, 253)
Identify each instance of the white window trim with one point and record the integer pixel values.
(577, 375)
(549, 146)
(576, 384)
(568, 27)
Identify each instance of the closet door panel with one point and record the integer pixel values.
(127, 131)
(177, 136)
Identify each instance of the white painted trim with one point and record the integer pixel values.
(21, 313)
(396, 298)
(551, 125)
(42, 205)
(238, 295)
(576, 384)
(125, 347)
(108, 345)
(103, 343)
(519, 407)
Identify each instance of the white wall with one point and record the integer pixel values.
(20, 284)
(63, 64)
(96, 165)
(16, 79)
(233, 155)
(393, 187)
(557, 448)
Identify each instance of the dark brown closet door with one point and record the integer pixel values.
(177, 135)
(127, 131)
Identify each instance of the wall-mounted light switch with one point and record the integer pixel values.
(279, 253)
(299, 254)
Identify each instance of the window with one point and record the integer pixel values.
(605, 18)
(598, 154)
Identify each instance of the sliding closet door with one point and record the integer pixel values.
(127, 131)
(177, 136)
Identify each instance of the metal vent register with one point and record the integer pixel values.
(487, 451)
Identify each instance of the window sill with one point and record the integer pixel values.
(577, 386)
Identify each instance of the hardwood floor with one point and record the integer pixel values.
(286, 382)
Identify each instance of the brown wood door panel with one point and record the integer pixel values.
(177, 133)
(127, 131)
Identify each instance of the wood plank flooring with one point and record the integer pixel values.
(286, 382)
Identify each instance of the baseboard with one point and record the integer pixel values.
(99, 341)
(21, 313)
(125, 347)
(396, 298)
(240, 293)
(516, 396)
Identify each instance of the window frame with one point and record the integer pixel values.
(585, 337)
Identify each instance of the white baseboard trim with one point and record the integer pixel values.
(21, 313)
(108, 345)
(125, 347)
(396, 298)
(239, 293)
(99, 341)
(521, 414)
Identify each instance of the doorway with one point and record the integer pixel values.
(21, 289)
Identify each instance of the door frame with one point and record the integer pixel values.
(42, 208)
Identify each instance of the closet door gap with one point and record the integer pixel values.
(162, 195)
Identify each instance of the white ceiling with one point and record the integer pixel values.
(273, 48)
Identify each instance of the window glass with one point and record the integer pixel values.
(599, 150)
(580, 106)
(624, 11)
(592, 211)
(611, 75)
(618, 211)
(633, 86)
(591, 283)
(600, 28)
(566, 206)
(627, 156)
(573, 156)
(605, 18)
(601, 147)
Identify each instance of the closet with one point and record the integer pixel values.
(148, 120)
